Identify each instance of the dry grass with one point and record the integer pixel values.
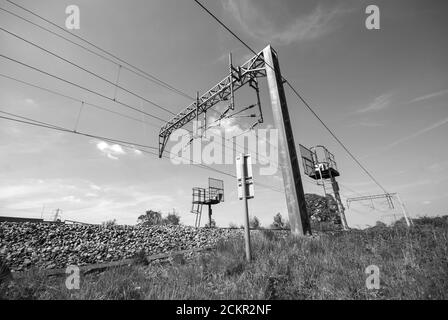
(413, 265)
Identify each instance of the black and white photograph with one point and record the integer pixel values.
(224, 156)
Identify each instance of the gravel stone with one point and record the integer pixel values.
(50, 245)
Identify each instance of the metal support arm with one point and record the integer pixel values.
(254, 68)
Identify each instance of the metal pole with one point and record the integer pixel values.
(246, 208)
(404, 210)
(232, 95)
(197, 113)
(341, 208)
(210, 215)
(288, 161)
(322, 180)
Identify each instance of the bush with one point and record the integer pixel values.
(109, 223)
(278, 222)
(150, 218)
(254, 223)
(211, 224)
(172, 218)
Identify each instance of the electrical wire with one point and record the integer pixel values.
(127, 144)
(81, 87)
(130, 68)
(297, 94)
(89, 72)
(78, 100)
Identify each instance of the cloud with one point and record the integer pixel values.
(95, 187)
(228, 125)
(260, 22)
(110, 156)
(91, 195)
(430, 96)
(419, 133)
(438, 166)
(380, 103)
(112, 151)
(407, 138)
(367, 124)
(30, 102)
(78, 202)
(18, 191)
(71, 199)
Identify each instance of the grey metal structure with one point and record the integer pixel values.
(320, 165)
(389, 198)
(288, 160)
(264, 64)
(223, 91)
(208, 197)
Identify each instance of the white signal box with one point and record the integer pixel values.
(244, 173)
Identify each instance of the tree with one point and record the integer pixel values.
(211, 225)
(109, 223)
(233, 225)
(254, 223)
(172, 218)
(278, 222)
(150, 218)
(380, 224)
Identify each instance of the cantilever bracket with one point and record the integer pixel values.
(223, 91)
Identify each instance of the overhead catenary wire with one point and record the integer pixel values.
(82, 101)
(297, 94)
(77, 100)
(65, 30)
(128, 144)
(94, 136)
(81, 87)
(37, 123)
(178, 91)
(115, 85)
(119, 65)
(126, 65)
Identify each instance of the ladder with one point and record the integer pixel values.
(197, 210)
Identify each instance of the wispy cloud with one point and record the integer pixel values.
(30, 102)
(112, 151)
(367, 124)
(407, 138)
(419, 133)
(317, 23)
(438, 166)
(430, 96)
(380, 103)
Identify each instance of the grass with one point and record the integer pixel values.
(413, 264)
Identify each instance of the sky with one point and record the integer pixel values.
(383, 92)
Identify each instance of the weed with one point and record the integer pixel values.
(412, 262)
